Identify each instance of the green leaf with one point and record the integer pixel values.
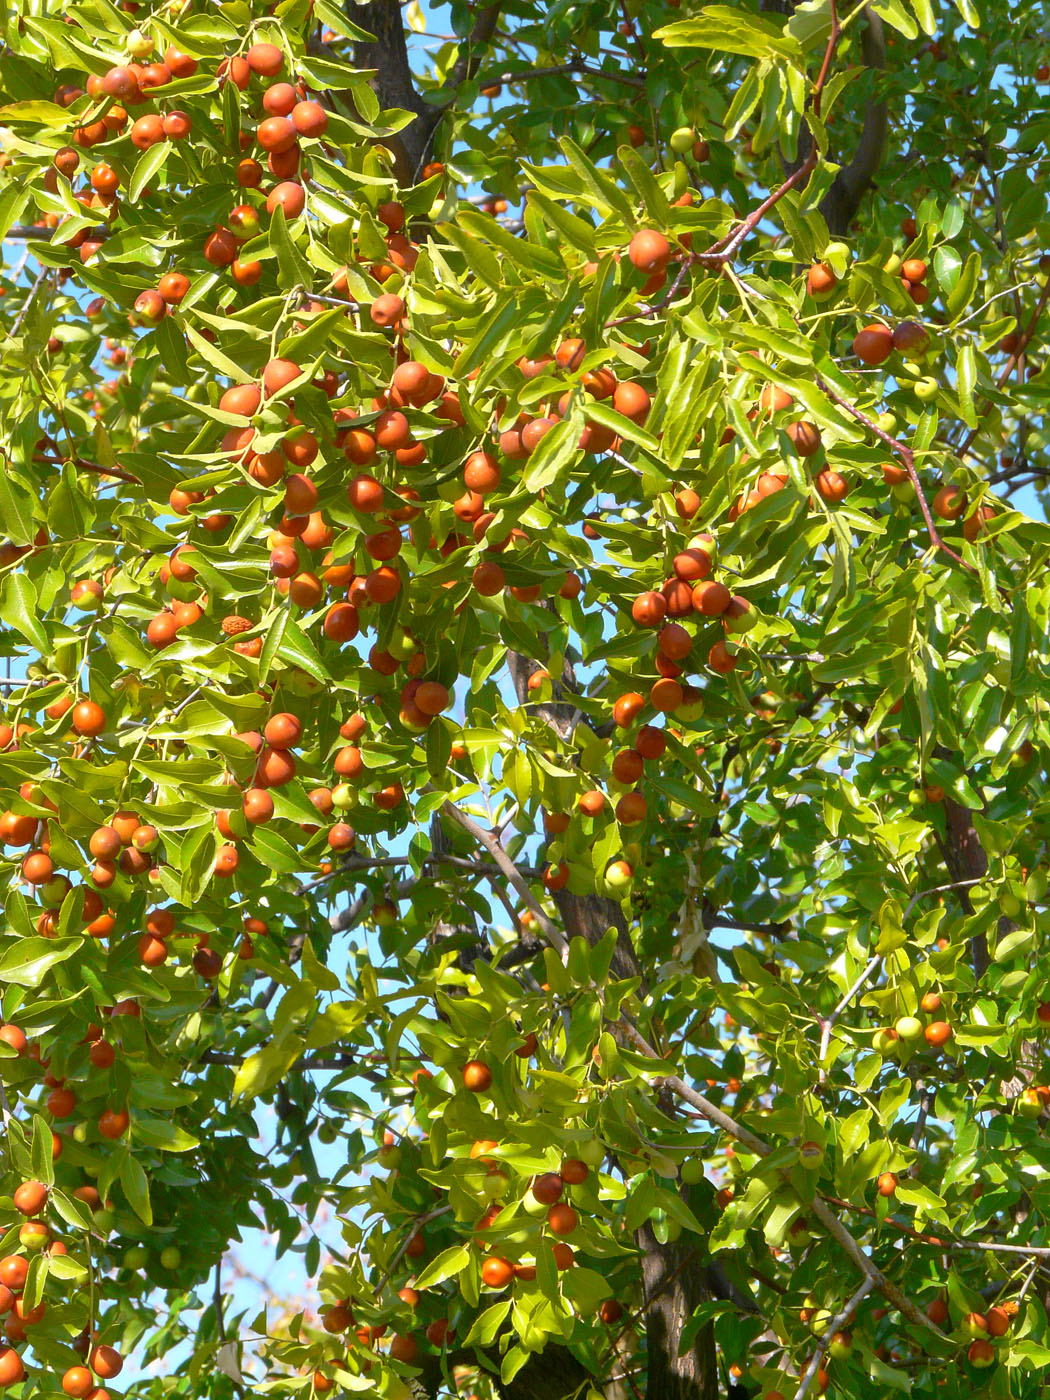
(136, 1188)
(727, 30)
(14, 198)
(293, 269)
(266, 1067)
(487, 1324)
(42, 1152)
(18, 608)
(16, 508)
(296, 647)
(163, 1134)
(27, 961)
(146, 167)
(448, 1263)
(965, 379)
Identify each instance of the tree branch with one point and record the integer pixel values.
(852, 182)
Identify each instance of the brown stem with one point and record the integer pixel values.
(724, 248)
(907, 458)
(82, 465)
(1008, 369)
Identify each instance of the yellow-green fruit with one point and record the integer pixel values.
(592, 1152)
(170, 1257)
(819, 1322)
(1009, 905)
(926, 389)
(811, 1155)
(401, 645)
(682, 140)
(893, 265)
(692, 1171)
(840, 1346)
(343, 796)
(909, 1028)
(1028, 1104)
(135, 1257)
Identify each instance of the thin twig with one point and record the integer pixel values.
(824, 1341)
(907, 458)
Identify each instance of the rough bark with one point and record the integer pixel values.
(393, 83)
(855, 178)
(857, 175)
(676, 1285)
(966, 860)
(552, 1374)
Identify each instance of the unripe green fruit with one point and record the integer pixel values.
(811, 1155)
(80, 1134)
(494, 1184)
(893, 265)
(170, 1257)
(103, 1220)
(139, 44)
(389, 1157)
(887, 422)
(1009, 905)
(401, 645)
(692, 1171)
(926, 389)
(840, 1346)
(818, 1323)
(1028, 1104)
(33, 1235)
(135, 1257)
(592, 1152)
(344, 796)
(885, 1042)
(328, 1132)
(909, 1028)
(682, 140)
(690, 710)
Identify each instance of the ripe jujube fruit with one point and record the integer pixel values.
(548, 1188)
(30, 1197)
(265, 60)
(78, 1382)
(562, 1219)
(497, 1272)
(949, 502)
(113, 1123)
(649, 251)
(11, 1369)
(477, 1077)
(283, 731)
(820, 280)
(14, 1270)
(310, 118)
(649, 609)
(874, 344)
(106, 1362)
